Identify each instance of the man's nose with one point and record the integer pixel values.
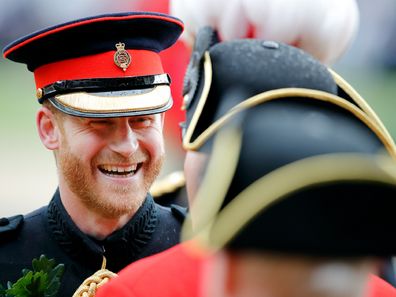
(125, 141)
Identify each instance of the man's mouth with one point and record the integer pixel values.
(119, 171)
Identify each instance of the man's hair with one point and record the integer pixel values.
(58, 115)
(59, 118)
(52, 108)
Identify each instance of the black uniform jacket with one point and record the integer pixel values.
(50, 231)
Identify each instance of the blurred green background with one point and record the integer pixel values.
(28, 178)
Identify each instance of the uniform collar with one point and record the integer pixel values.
(120, 248)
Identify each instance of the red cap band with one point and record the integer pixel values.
(143, 62)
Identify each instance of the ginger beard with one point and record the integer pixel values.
(108, 200)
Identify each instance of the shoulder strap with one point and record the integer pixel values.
(169, 184)
(10, 225)
(179, 212)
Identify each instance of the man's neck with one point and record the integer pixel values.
(88, 221)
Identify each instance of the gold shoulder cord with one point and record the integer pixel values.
(91, 284)
(168, 184)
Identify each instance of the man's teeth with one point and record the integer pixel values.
(117, 170)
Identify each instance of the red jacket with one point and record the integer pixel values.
(172, 273)
(177, 272)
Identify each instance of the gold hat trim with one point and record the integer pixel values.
(213, 188)
(358, 99)
(157, 97)
(202, 100)
(168, 184)
(363, 111)
(294, 94)
(272, 188)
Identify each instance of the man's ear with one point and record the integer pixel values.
(47, 128)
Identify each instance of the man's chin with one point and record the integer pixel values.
(119, 202)
(115, 211)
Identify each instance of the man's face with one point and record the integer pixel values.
(194, 170)
(110, 164)
(252, 273)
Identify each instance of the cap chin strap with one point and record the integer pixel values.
(115, 104)
(96, 85)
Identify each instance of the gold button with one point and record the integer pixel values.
(39, 93)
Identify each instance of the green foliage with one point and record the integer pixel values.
(42, 281)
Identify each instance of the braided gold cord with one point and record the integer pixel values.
(91, 284)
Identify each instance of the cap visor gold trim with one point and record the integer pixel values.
(154, 98)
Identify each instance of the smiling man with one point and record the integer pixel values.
(106, 166)
(103, 92)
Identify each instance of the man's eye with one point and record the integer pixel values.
(141, 122)
(99, 123)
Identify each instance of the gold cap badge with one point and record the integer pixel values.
(121, 57)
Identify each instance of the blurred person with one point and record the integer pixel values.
(174, 60)
(322, 28)
(325, 29)
(103, 92)
(317, 236)
(223, 79)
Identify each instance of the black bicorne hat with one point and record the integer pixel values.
(221, 76)
(336, 205)
(272, 106)
(321, 209)
(299, 175)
